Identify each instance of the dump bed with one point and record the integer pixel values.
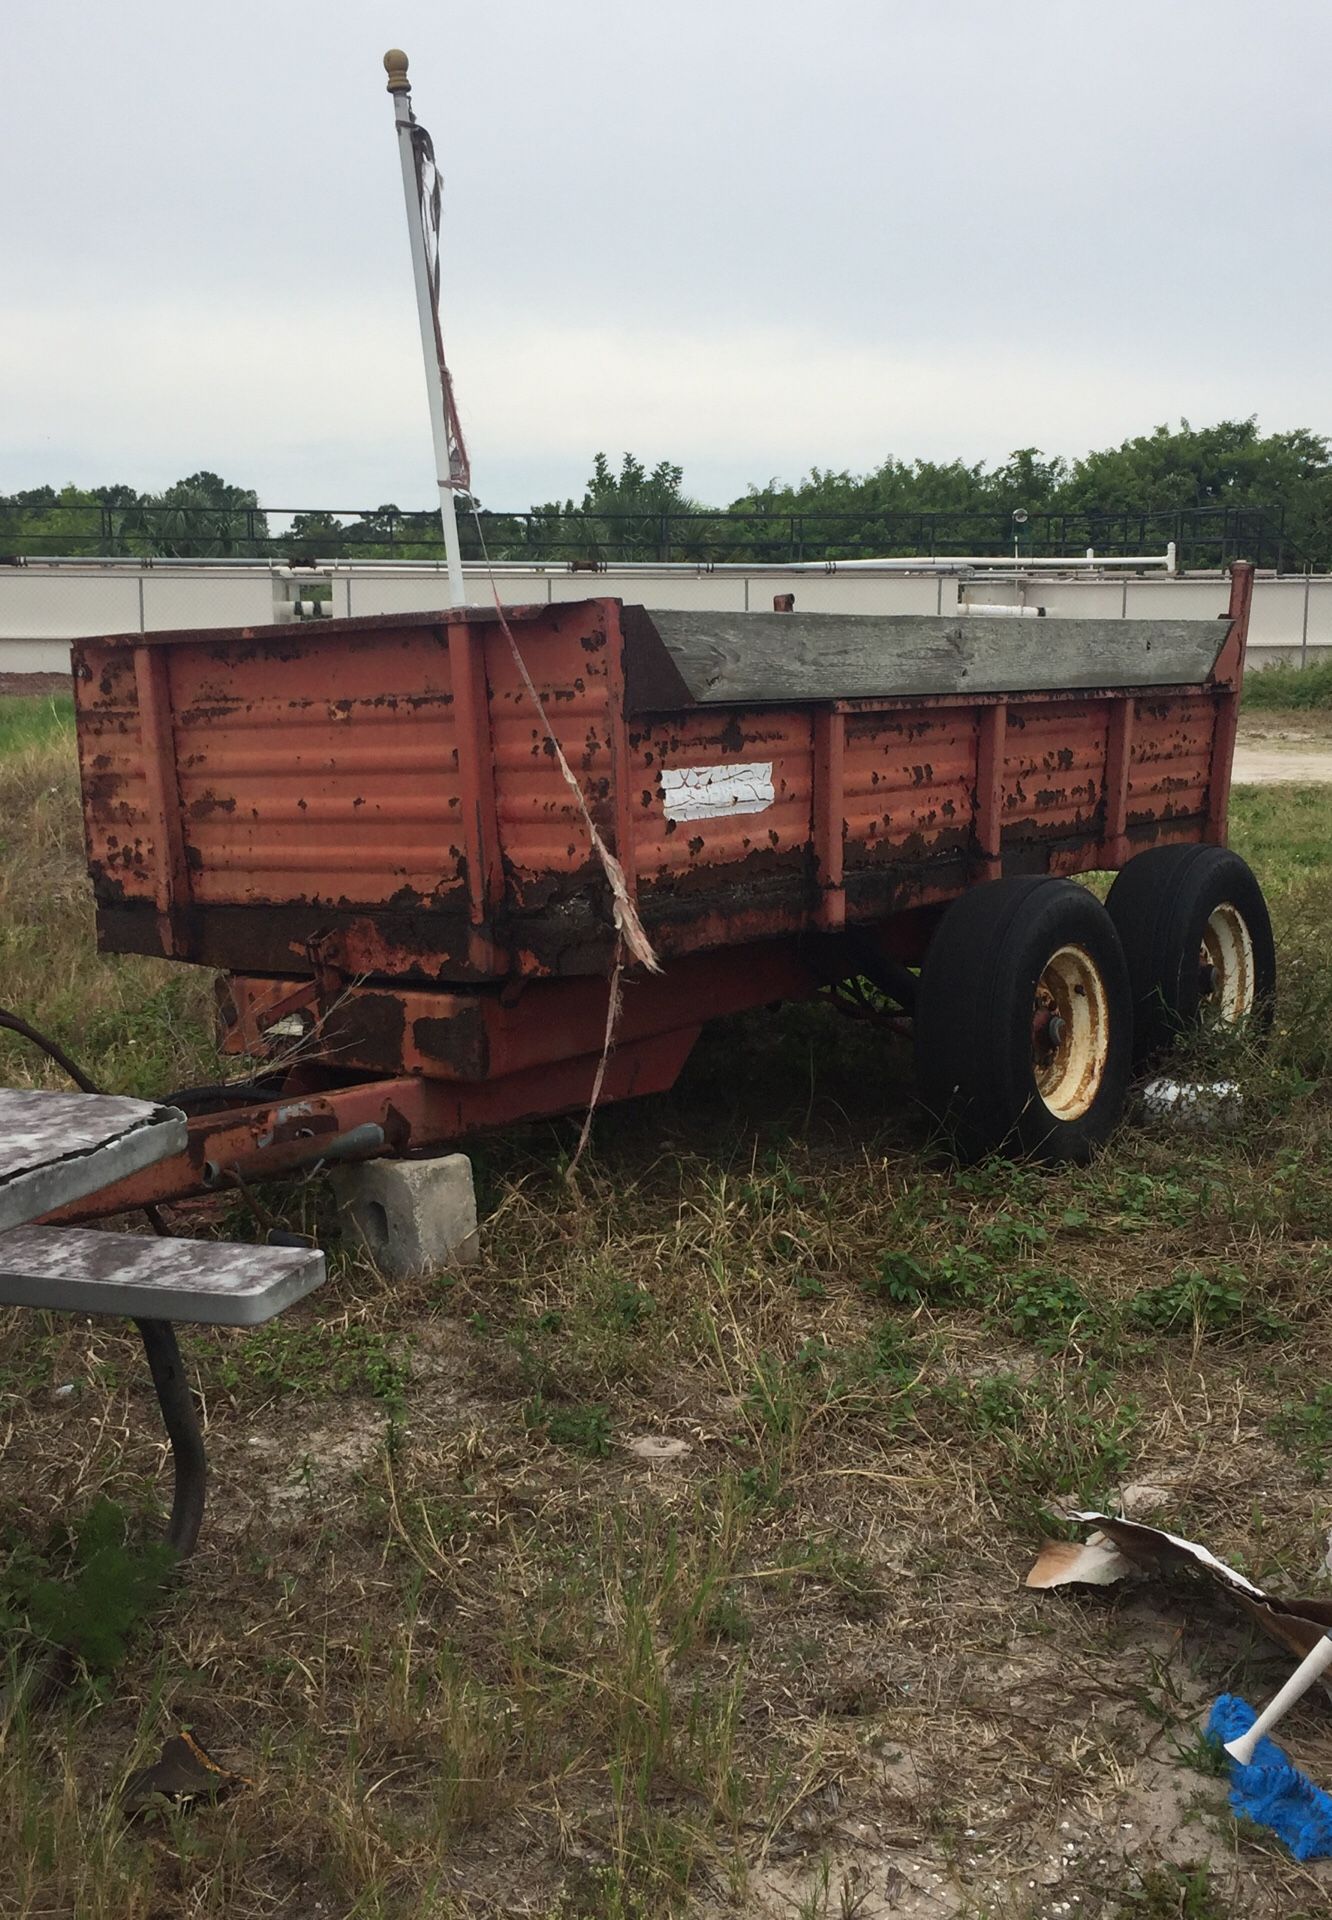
(384, 793)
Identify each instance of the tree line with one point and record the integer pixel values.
(1216, 486)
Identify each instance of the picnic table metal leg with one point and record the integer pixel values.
(182, 1425)
(46, 1673)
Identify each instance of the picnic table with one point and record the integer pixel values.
(59, 1147)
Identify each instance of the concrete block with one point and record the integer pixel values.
(411, 1216)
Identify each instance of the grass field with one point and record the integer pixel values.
(1292, 689)
(476, 1656)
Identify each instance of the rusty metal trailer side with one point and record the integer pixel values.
(384, 786)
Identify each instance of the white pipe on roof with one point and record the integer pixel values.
(1004, 610)
(994, 564)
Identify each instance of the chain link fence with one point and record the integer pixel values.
(1204, 537)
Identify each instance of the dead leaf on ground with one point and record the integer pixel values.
(181, 1774)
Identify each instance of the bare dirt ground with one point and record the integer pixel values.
(1275, 748)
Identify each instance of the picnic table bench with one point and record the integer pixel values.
(60, 1147)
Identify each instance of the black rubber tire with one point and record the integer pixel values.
(974, 1010)
(1160, 904)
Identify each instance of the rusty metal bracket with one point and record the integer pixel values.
(330, 977)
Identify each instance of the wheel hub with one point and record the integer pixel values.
(1070, 1032)
(1226, 978)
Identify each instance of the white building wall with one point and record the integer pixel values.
(46, 606)
(43, 607)
(677, 592)
(1074, 599)
(1280, 613)
(172, 599)
(1180, 600)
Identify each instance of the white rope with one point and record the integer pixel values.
(613, 1007)
(627, 923)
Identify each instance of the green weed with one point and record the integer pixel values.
(1038, 1442)
(93, 1607)
(1305, 1428)
(602, 1332)
(1009, 1239)
(1046, 1304)
(37, 721)
(311, 1362)
(1288, 688)
(960, 1278)
(1174, 1893)
(1220, 1304)
(582, 1429)
(726, 1620)
(1204, 1754)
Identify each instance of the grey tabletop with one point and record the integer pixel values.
(209, 1282)
(60, 1147)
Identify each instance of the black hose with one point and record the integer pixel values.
(12, 1023)
(221, 1093)
(186, 1098)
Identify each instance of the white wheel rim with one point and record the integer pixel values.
(1226, 958)
(1070, 1032)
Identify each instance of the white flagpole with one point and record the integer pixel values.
(395, 65)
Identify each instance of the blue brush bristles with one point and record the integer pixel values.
(1272, 1791)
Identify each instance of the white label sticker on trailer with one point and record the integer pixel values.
(705, 793)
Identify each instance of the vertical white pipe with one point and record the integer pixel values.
(395, 65)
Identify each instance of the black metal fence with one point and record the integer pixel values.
(1204, 537)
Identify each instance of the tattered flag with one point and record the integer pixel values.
(429, 188)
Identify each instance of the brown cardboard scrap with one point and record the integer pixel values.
(1295, 1624)
(1090, 1563)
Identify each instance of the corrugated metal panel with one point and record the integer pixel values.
(1054, 767)
(122, 854)
(302, 773)
(541, 828)
(319, 775)
(909, 783)
(1170, 765)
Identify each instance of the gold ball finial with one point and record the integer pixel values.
(395, 66)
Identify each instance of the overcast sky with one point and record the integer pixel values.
(747, 235)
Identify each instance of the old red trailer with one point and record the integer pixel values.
(366, 828)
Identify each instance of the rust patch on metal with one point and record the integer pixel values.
(458, 1040)
(364, 1027)
(210, 803)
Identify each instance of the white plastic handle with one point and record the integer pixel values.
(1299, 1683)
